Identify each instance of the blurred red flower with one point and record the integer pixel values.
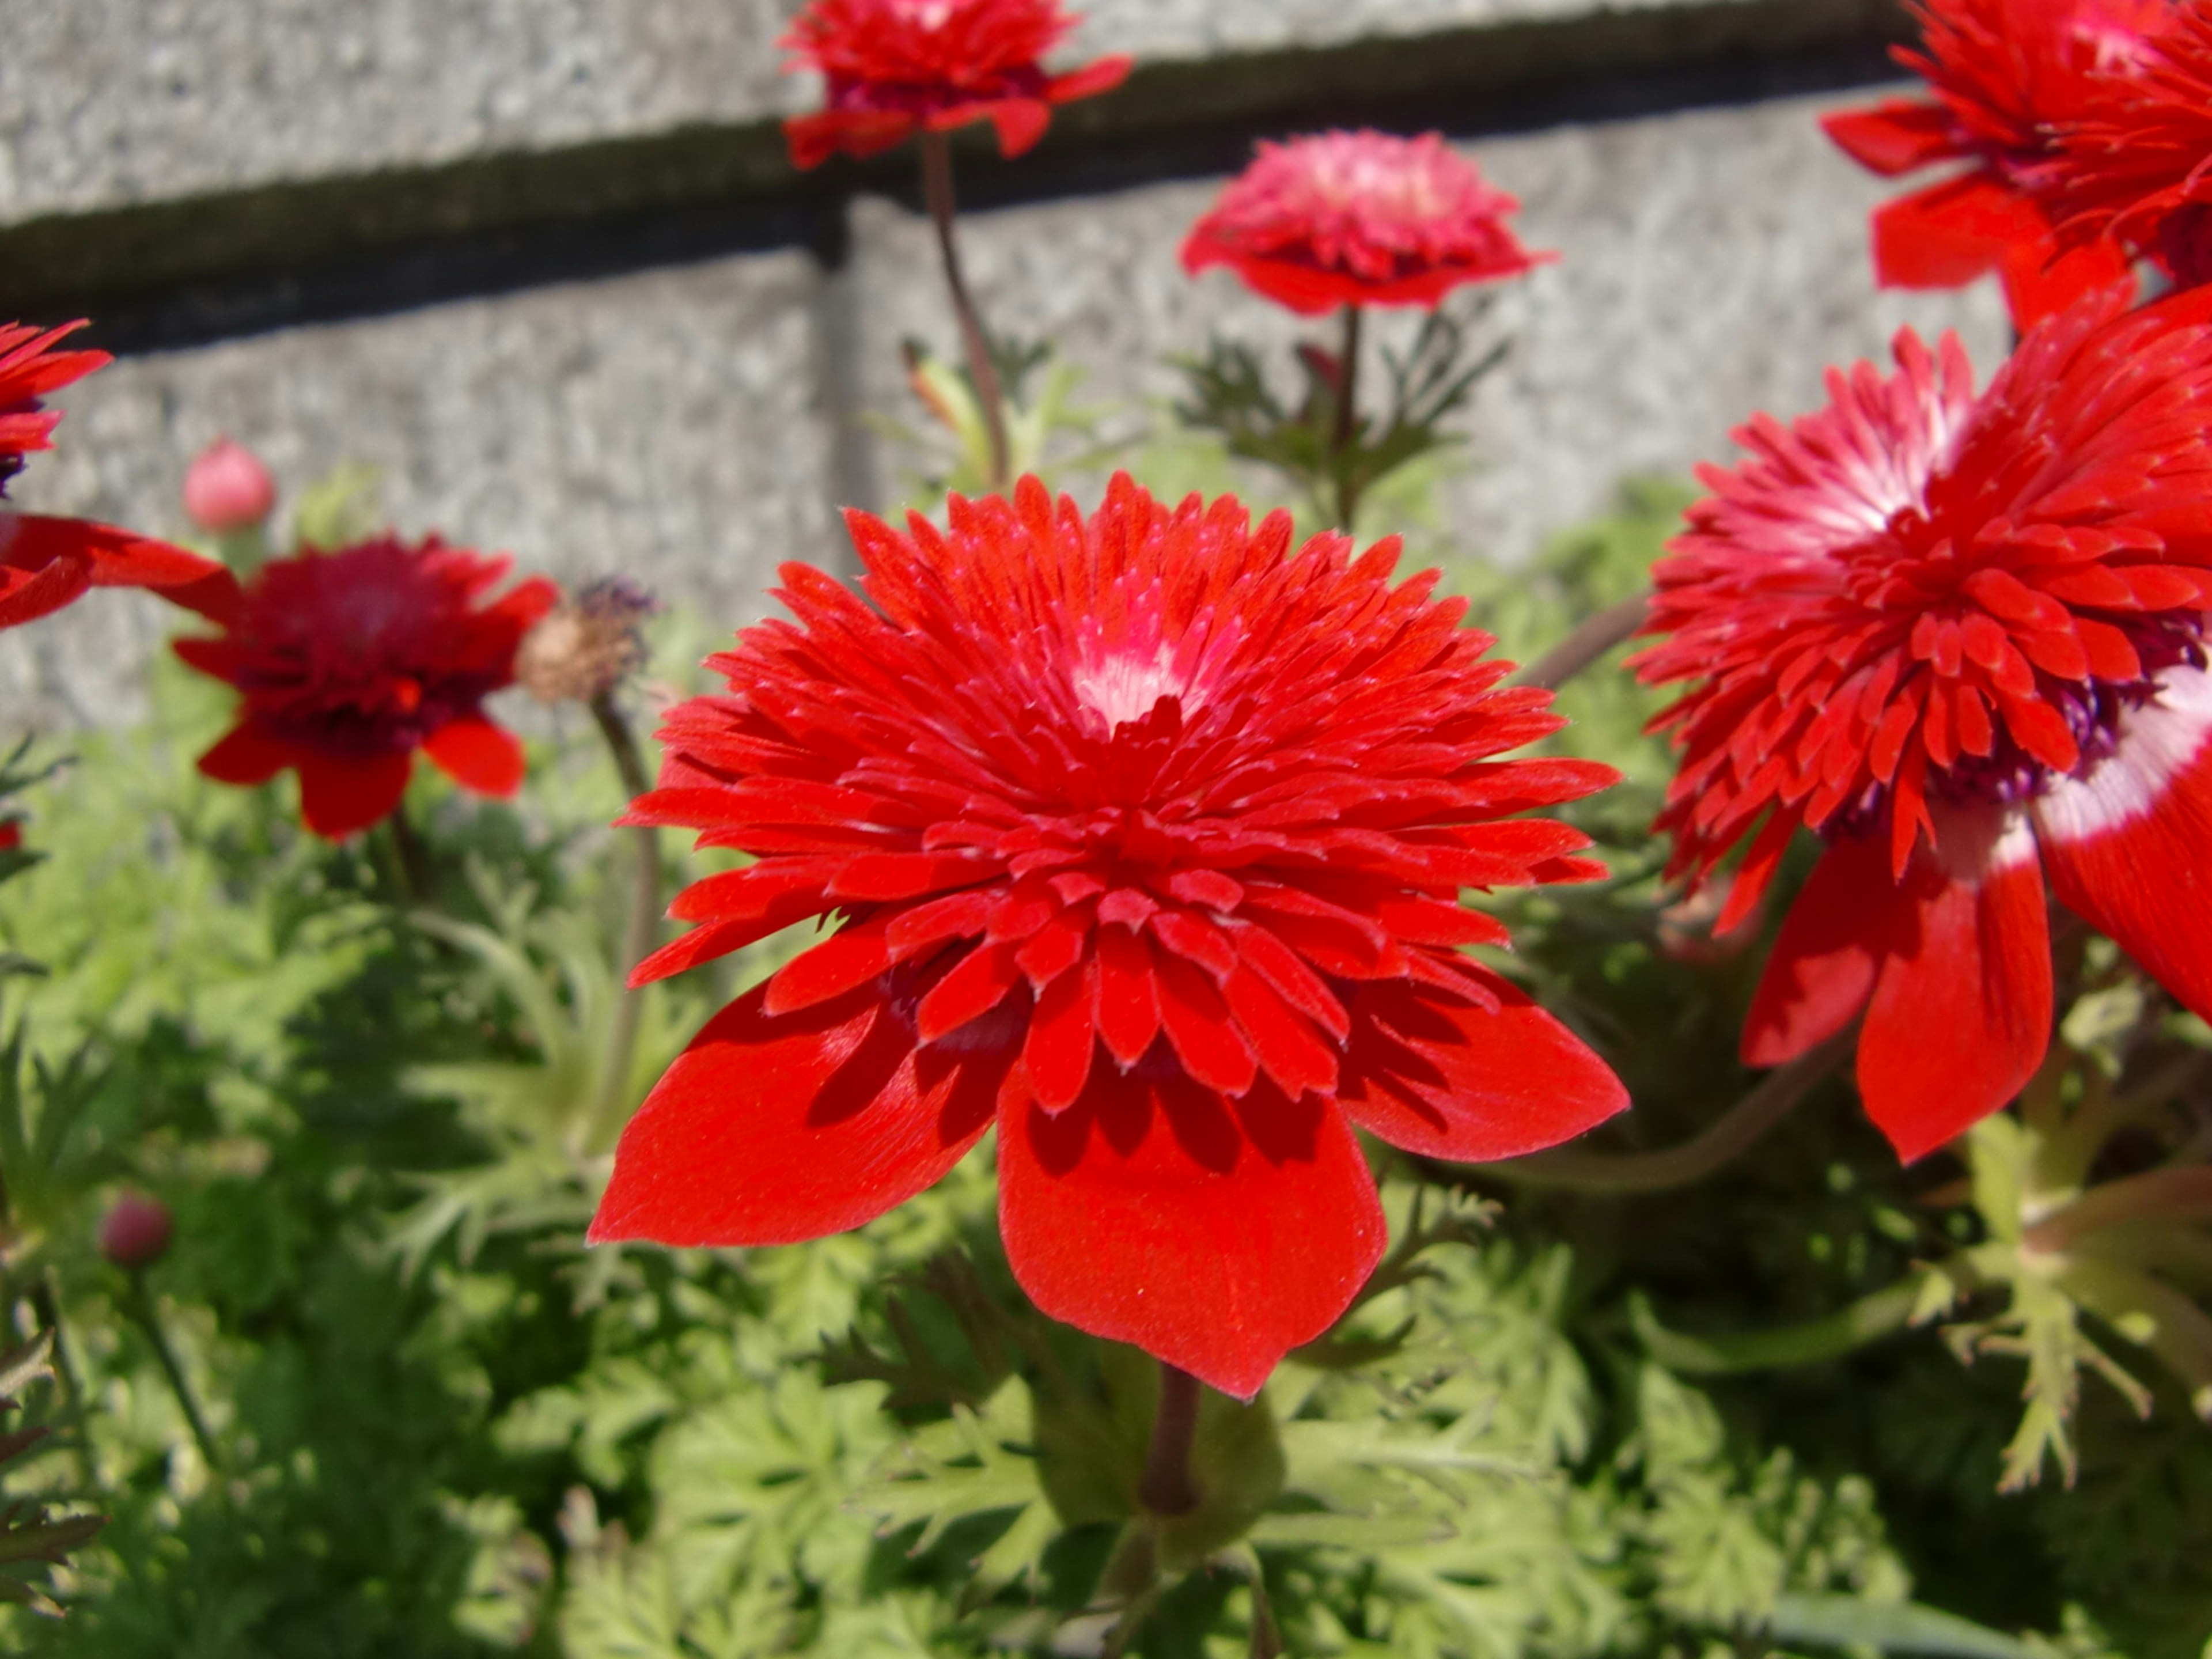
(1151, 784)
(46, 562)
(1359, 218)
(1961, 637)
(137, 1230)
(11, 834)
(898, 67)
(227, 488)
(350, 661)
(2005, 75)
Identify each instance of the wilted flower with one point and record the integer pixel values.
(1359, 218)
(228, 490)
(1962, 638)
(586, 646)
(136, 1231)
(350, 661)
(2005, 75)
(46, 562)
(898, 67)
(1146, 834)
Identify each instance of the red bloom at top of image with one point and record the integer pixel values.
(46, 562)
(1960, 636)
(898, 67)
(2137, 168)
(1147, 834)
(1359, 218)
(2006, 75)
(350, 661)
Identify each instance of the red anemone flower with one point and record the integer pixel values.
(46, 562)
(1147, 834)
(2138, 170)
(1359, 218)
(350, 661)
(898, 67)
(1961, 637)
(2005, 73)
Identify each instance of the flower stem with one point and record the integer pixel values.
(139, 1307)
(1595, 636)
(1346, 431)
(1735, 1131)
(1167, 1489)
(409, 856)
(1868, 1320)
(47, 1307)
(937, 191)
(641, 931)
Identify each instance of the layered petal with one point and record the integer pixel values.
(341, 795)
(1847, 919)
(478, 755)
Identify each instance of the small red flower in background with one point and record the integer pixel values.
(227, 488)
(1962, 638)
(350, 661)
(1359, 218)
(11, 834)
(2006, 74)
(898, 67)
(46, 562)
(1148, 835)
(2138, 170)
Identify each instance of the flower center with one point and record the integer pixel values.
(1123, 686)
(923, 14)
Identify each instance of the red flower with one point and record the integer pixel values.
(1151, 785)
(1961, 637)
(2134, 171)
(900, 67)
(47, 562)
(350, 661)
(11, 834)
(2005, 75)
(1359, 218)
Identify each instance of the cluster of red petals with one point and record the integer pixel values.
(1147, 834)
(2007, 77)
(1961, 637)
(46, 562)
(350, 661)
(1359, 218)
(2138, 170)
(898, 67)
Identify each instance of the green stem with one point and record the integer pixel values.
(47, 1307)
(139, 1306)
(1167, 1489)
(2181, 1194)
(1815, 1341)
(937, 191)
(1346, 431)
(1734, 1132)
(641, 930)
(409, 856)
(1592, 638)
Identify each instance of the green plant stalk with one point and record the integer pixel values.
(47, 1307)
(1869, 1319)
(937, 191)
(1166, 1488)
(1592, 638)
(641, 930)
(410, 857)
(138, 1306)
(1347, 430)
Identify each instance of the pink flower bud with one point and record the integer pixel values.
(227, 488)
(135, 1232)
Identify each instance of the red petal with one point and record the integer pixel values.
(1281, 1041)
(700, 945)
(978, 983)
(1214, 1235)
(767, 1131)
(1895, 135)
(1829, 951)
(1960, 1016)
(478, 755)
(848, 958)
(2130, 847)
(339, 794)
(2041, 281)
(1058, 1050)
(1128, 1000)
(1459, 1082)
(1020, 122)
(1950, 232)
(247, 755)
(1199, 1025)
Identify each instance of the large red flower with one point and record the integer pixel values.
(1147, 835)
(1961, 637)
(1359, 218)
(46, 562)
(2005, 75)
(2137, 169)
(898, 67)
(350, 661)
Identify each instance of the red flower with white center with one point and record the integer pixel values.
(46, 562)
(350, 661)
(898, 67)
(2138, 170)
(1961, 637)
(1359, 218)
(1147, 835)
(2006, 75)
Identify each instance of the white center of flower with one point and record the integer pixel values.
(1124, 685)
(927, 13)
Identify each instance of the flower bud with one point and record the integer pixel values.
(587, 645)
(135, 1233)
(227, 488)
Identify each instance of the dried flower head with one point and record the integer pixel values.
(587, 645)
(1146, 833)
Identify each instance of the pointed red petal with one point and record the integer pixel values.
(1960, 1016)
(1458, 1082)
(2041, 281)
(2130, 847)
(342, 794)
(1214, 1235)
(1829, 951)
(1021, 122)
(767, 1131)
(1057, 1052)
(1894, 137)
(848, 958)
(246, 755)
(1128, 1001)
(1950, 232)
(478, 755)
(1199, 1025)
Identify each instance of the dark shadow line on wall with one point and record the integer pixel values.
(708, 204)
